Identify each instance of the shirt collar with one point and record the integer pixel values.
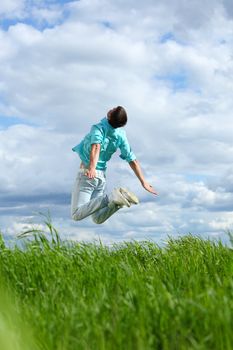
(108, 125)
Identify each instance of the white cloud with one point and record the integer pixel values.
(177, 91)
(225, 223)
(11, 8)
(34, 160)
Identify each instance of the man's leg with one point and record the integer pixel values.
(103, 214)
(82, 203)
(119, 198)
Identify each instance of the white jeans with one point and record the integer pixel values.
(89, 198)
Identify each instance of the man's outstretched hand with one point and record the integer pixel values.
(149, 188)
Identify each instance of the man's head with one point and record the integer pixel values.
(117, 117)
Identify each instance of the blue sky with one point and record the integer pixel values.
(63, 64)
(29, 17)
(5, 122)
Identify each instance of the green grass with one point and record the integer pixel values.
(130, 296)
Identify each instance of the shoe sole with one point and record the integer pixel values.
(122, 201)
(131, 197)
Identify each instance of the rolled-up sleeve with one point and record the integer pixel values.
(96, 135)
(126, 151)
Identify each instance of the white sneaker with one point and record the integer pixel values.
(130, 196)
(117, 198)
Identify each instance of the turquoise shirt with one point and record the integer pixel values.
(110, 140)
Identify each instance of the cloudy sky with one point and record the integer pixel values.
(64, 64)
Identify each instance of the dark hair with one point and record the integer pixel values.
(118, 117)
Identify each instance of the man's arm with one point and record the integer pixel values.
(134, 164)
(94, 156)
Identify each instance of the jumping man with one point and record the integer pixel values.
(97, 147)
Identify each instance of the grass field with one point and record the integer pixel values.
(67, 296)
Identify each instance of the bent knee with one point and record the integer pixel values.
(75, 217)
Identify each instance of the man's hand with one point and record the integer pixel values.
(149, 188)
(91, 173)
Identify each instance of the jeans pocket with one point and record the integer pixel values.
(85, 181)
